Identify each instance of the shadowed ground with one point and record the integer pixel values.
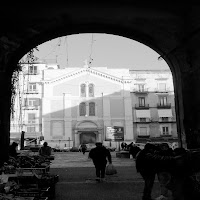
(78, 182)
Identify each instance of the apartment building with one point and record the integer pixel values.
(153, 105)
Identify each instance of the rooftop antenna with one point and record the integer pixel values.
(91, 50)
(66, 42)
(56, 59)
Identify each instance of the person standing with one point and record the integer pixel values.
(122, 145)
(13, 150)
(45, 150)
(133, 150)
(99, 156)
(83, 148)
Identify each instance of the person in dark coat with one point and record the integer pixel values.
(83, 148)
(153, 161)
(13, 150)
(99, 156)
(146, 168)
(122, 145)
(133, 150)
(164, 170)
(45, 150)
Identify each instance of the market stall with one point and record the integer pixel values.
(27, 177)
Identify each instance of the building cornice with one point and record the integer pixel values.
(89, 71)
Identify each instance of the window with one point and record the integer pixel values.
(162, 86)
(31, 102)
(141, 87)
(141, 101)
(91, 109)
(32, 87)
(165, 130)
(82, 109)
(31, 118)
(30, 129)
(142, 119)
(32, 69)
(143, 131)
(83, 90)
(91, 90)
(163, 101)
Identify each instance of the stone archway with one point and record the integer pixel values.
(87, 132)
(172, 31)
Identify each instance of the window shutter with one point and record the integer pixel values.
(91, 109)
(31, 116)
(26, 102)
(36, 102)
(82, 109)
(83, 90)
(91, 90)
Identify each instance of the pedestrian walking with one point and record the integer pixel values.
(164, 170)
(100, 155)
(146, 168)
(83, 148)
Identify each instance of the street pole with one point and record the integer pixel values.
(69, 141)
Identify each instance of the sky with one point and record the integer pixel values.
(103, 50)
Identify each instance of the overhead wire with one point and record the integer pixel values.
(59, 47)
(53, 50)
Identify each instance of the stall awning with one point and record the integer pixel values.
(165, 113)
(143, 114)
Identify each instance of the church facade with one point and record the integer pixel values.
(71, 106)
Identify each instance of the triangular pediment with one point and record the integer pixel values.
(82, 71)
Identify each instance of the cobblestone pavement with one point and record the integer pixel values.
(77, 159)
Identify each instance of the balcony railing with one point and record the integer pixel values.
(166, 105)
(31, 122)
(142, 120)
(141, 106)
(166, 134)
(158, 90)
(140, 91)
(31, 92)
(31, 72)
(30, 107)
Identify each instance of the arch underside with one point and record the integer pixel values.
(165, 28)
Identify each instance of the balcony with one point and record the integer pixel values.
(164, 106)
(141, 91)
(31, 92)
(31, 121)
(166, 120)
(30, 107)
(142, 121)
(158, 90)
(31, 72)
(142, 106)
(166, 135)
